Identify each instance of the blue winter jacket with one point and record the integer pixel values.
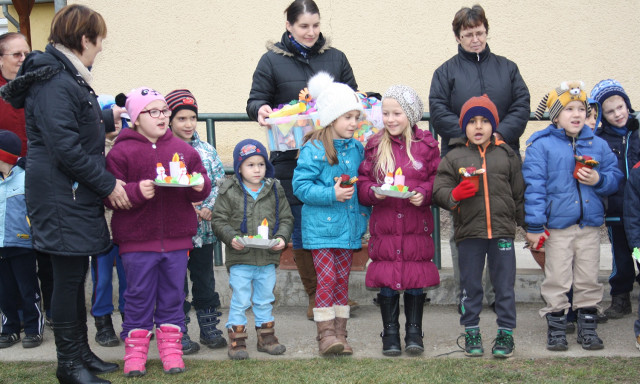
(553, 197)
(631, 207)
(326, 222)
(14, 223)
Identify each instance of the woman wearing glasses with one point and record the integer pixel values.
(282, 72)
(13, 50)
(476, 71)
(66, 180)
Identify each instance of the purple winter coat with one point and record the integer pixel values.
(401, 247)
(167, 221)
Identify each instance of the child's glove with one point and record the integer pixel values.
(464, 190)
(542, 240)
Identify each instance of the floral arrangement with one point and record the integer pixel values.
(471, 171)
(586, 160)
(346, 181)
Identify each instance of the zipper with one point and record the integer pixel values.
(573, 145)
(625, 144)
(74, 187)
(485, 187)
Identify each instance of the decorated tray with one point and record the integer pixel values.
(253, 242)
(176, 185)
(391, 193)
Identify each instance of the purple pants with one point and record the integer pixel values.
(155, 289)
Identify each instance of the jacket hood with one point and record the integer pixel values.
(552, 129)
(284, 47)
(131, 134)
(591, 101)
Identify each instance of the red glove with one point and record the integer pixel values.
(464, 190)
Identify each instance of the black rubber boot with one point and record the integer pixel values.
(620, 306)
(390, 310)
(209, 334)
(71, 368)
(413, 309)
(91, 361)
(587, 324)
(105, 334)
(557, 331)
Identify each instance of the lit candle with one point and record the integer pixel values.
(399, 179)
(263, 230)
(174, 166)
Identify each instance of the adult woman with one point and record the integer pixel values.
(475, 71)
(66, 178)
(280, 75)
(13, 50)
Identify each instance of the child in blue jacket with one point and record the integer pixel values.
(568, 204)
(18, 280)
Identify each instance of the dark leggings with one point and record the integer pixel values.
(68, 301)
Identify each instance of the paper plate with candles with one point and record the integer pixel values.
(178, 176)
(394, 186)
(261, 240)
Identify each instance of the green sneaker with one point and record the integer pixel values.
(503, 345)
(473, 343)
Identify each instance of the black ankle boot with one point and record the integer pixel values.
(390, 310)
(413, 309)
(557, 331)
(71, 368)
(91, 361)
(105, 334)
(587, 324)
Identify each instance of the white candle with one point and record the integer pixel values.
(399, 179)
(174, 166)
(263, 230)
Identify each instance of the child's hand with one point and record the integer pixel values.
(588, 176)
(278, 246)
(379, 196)
(464, 190)
(343, 194)
(205, 214)
(417, 199)
(235, 244)
(198, 188)
(535, 238)
(147, 189)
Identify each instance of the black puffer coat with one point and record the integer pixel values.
(469, 74)
(66, 135)
(280, 75)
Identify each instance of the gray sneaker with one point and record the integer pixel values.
(8, 339)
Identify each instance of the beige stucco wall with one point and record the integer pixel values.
(41, 16)
(213, 46)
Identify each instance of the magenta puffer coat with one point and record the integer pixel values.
(401, 247)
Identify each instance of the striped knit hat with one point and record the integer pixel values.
(479, 106)
(557, 99)
(607, 88)
(181, 99)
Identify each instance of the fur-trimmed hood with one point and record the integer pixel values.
(285, 48)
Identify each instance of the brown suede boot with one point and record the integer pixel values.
(267, 340)
(237, 342)
(307, 272)
(342, 315)
(328, 344)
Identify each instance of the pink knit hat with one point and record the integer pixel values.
(138, 99)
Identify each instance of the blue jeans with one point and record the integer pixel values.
(102, 275)
(296, 235)
(243, 279)
(388, 292)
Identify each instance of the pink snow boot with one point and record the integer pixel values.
(136, 347)
(170, 348)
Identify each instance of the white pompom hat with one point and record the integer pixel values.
(332, 99)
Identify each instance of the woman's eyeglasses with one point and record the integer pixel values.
(155, 113)
(16, 55)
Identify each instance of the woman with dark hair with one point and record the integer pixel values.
(66, 180)
(476, 71)
(281, 73)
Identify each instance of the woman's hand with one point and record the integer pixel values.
(343, 194)
(235, 244)
(147, 189)
(118, 197)
(417, 199)
(263, 113)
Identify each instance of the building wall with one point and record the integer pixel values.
(212, 46)
(41, 16)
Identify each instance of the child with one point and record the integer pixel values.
(594, 115)
(155, 234)
(485, 217)
(401, 250)
(18, 279)
(632, 225)
(621, 133)
(332, 220)
(183, 121)
(242, 205)
(570, 208)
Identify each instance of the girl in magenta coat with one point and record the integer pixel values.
(401, 248)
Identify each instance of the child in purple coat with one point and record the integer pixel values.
(401, 247)
(155, 234)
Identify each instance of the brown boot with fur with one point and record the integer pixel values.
(267, 340)
(237, 342)
(342, 315)
(307, 272)
(328, 344)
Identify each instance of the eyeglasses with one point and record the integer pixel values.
(155, 113)
(478, 35)
(17, 55)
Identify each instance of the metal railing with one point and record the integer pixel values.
(211, 118)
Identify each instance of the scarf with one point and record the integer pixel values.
(75, 60)
(303, 49)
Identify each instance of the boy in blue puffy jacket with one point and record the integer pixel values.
(18, 280)
(564, 210)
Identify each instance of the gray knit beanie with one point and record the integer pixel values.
(408, 99)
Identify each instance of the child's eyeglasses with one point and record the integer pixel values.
(16, 55)
(155, 113)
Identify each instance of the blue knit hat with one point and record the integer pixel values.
(607, 88)
(244, 150)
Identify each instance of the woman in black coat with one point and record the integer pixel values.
(66, 180)
(281, 73)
